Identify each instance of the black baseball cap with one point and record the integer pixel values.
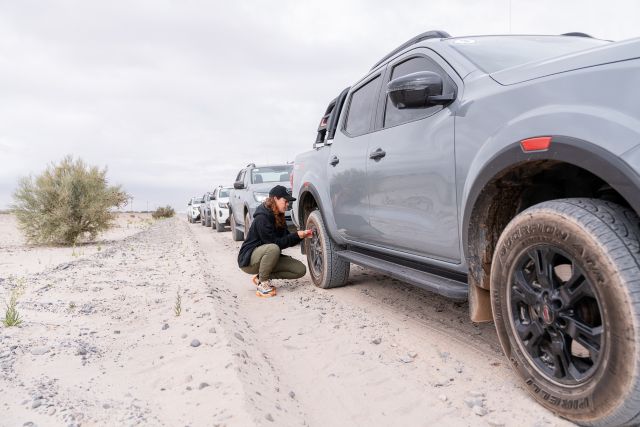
(280, 191)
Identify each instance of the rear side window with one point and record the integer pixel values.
(361, 105)
(394, 116)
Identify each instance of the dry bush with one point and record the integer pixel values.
(163, 212)
(67, 202)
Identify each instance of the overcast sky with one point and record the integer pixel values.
(175, 97)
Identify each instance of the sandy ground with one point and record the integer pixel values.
(100, 343)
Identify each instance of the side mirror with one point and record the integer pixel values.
(238, 185)
(417, 90)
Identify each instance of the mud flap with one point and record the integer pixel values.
(480, 304)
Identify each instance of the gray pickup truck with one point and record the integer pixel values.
(250, 189)
(504, 170)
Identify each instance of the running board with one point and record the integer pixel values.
(444, 286)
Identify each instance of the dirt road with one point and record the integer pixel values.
(101, 345)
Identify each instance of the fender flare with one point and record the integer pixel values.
(311, 189)
(586, 155)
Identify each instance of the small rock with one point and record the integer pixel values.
(238, 336)
(406, 359)
(441, 382)
(412, 354)
(184, 335)
(476, 393)
(29, 424)
(36, 404)
(442, 397)
(39, 351)
(203, 385)
(376, 341)
(480, 411)
(51, 411)
(472, 402)
(195, 343)
(165, 326)
(81, 351)
(212, 330)
(106, 406)
(116, 332)
(292, 395)
(269, 417)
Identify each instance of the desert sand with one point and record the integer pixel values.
(100, 342)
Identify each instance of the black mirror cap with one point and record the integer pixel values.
(414, 90)
(238, 185)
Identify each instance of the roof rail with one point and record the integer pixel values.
(251, 165)
(577, 34)
(416, 39)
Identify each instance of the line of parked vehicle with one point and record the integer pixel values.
(234, 207)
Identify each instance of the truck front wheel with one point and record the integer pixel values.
(236, 235)
(565, 293)
(327, 270)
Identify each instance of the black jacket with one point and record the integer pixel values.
(263, 230)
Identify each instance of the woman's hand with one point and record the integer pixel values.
(305, 233)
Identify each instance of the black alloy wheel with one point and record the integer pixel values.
(315, 253)
(555, 315)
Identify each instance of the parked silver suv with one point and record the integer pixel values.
(251, 188)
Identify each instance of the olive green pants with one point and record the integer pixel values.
(268, 263)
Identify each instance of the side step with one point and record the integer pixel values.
(444, 286)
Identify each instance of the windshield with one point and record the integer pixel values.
(198, 200)
(495, 53)
(223, 193)
(271, 174)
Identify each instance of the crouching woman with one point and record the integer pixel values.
(260, 253)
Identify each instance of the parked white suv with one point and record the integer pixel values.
(193, 209)
(220, 208)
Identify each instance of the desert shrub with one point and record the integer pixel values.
(67, 202)
(163, 212)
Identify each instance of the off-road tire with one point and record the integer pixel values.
(236, 235)
(247, 223)
(207, 222)
(334, 271)
(219, 227)
(601, 242)
(203, 219)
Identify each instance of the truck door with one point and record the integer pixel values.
(411, 169)
(347, 160)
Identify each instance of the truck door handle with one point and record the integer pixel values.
(378, 154)
(334, 161)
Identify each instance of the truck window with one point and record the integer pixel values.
(361, 105)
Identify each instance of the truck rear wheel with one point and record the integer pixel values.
(565, 293)
(327, 270)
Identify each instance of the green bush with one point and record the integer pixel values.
(163, 212)
(67, 202)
